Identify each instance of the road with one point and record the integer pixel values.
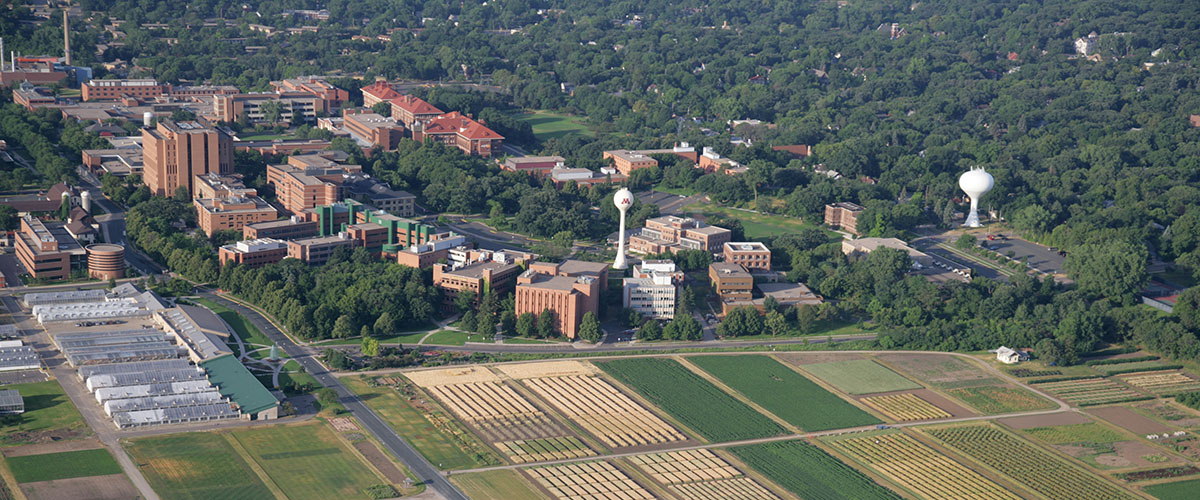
(489, 239)
(625, 346)
(400, 448)
(112, 226)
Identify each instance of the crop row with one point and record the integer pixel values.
(604, 411)
(1037, 469)
(809, 472)
(920, 468)
(700, 475)
(1089, 391)
(537, 450)
(694, 401)
(1163, 383)
(589, 481)
(905, 407)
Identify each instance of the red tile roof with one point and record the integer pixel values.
(381, 90)
(415, 105)
(456, 123)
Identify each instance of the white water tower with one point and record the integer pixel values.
(85, 200)
(976, 183)
(147, 119)
(623, 200)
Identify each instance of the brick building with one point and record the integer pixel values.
(308, 181)
(376, 130)
(231, 212)
(253, 253)
(284, 229)
(317, 250)
(378, 92)
(410, 110)
(844, 215)
(46, 249)
(731, 281)
(145, 89)
(229, 107)
(626, 161)
(173, 153)
(672, 234)
(751, 255)
(538, 166)
(493, 273)
(456, 130)
(547, 287)
(317, 86)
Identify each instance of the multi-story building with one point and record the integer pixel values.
(731, 281)
(538, 166)
(672, 234)
(626, 161)
(752, 255)
(316, 86)
(544, 287)
(411, 110)
(584, 177)
(116, 89)
(455, 130)
(334, 218)
(711, 161)
(227, 108)
(308, 181)
(368, 235)
(32, 98)
(843, 214)
(494, 273)
(215, 185)
(653, 289)
(253, 253)
(317, 250)
(203, 90)
(284, 229)
(46, 250)
(785, 295)
(380, 195)
(378, 92)
(174, 153)
(427, 254)
(863, 246)
(231, 212)
(375, 130)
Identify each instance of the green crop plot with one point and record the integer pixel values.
(308, 462)
(1031, 466)
(809, 472)
(196, 466)
(1077, 433)
(783, 392)
(860, 376)
(82, 463)
(692, 400)
(994, 399)
(1180, 490)
(48, 413)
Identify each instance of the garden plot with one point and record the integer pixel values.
(451, 376)
(537, 450)
(602, 410)
(940, 370)
(920, 468)
(1162, 384)
(861, 376)
(546, 369)
(1100, 446)
(1130, 420)
(997, 399)
(905, 407)
(1090, 391)
(588, 481)
(700, 475)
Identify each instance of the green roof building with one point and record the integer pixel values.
(235, 382)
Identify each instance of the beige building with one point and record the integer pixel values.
(844, 215)
(731, 281)
(653, 289)
(175, 152)
(672, 234)
(752, 255)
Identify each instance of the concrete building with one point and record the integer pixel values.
(314, 85)
(411, 110)
(731, 281)
(148, 89)
(538, 166)
(844, 215)
(380, 195)
(214, 185)
(284, 229)
(626, 161)
(316, 251)
(584, 177)
(785, 294)
(229, 107)
(232, 212)
(372, 130)
(116, 161)
(653, 289)
(31, 97)
(308, 181)
(175, 152)
(46, 250)
(427, 254)
(106, 261)
(455, 130)
(863, 246)
(544, 287)
(672, 234)
(751, 255)
(494, 272)
(253, 253)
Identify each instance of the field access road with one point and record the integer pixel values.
(400, 448)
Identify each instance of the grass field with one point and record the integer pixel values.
(410, 335)
(1077, 433)
(47, 410)
(439, 448)
(548, 125)
(860, 376)
(455, 337)
(692, 400)
(308, 462)
(784, 392)
(242, 327)
(496, 485)
(1179, 490)
(756, 225)
(809, 472)
(50, 466)
(196, 466)
(993, 399)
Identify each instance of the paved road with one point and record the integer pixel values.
(112, 226)
(424, 471)
(488, 239)
(625, 346)
(669, 204)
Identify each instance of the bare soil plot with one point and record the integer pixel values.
(110, 487)
(1129, 420)
(1135, 454)
(808, 358)
(905, 407)
(385, 465)
(588, 481)
(1034, 421)
(55, 447)
(941, 370)
(1170, 412)
(547, 369)
(450, 376)
(605, 412)
(700, 475)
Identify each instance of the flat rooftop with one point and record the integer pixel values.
(746, 246)
(729, 269)
(475, 271)
(561, 283)
(580, 267)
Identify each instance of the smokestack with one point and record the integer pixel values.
(66, 37)
(1, 53)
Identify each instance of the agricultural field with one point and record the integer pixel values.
(905, 407)
(700, 475)
(1090, 391)
(588, 481)
(435, 434)
(692, 400)
(196, 466)
(810, 473)
(784, 392)
(862, 376)
(497, 411)
(537, 450)
(920, 468)
(1076, 433)
(1179, 490)
(1036, 469)
(939, 370)
(1162, 383)
(307, 462)
(501, 484)
(1138, 365)
(997, 399)
(602, 410)
(63, 465)
(49, 416)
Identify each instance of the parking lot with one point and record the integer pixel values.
(1040, 257)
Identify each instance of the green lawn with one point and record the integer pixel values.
(784, 392)
(68, 464)
(860, 376)
(1179, 490)
(443, 450)
(496, 485)
(549, 125)
(308, 462)
(455, 337)
(47, 410)
(196, 466)
(756, 225)
(410, 335)
(265, 137)
(246, 330)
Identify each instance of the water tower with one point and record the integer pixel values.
(623, 200)
(85, 201)
(976, 183)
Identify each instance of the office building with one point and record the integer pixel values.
(317, 86)
(372, 130)
(147, 89)
(317, 250)
(672, 234)
(731, 281)
(253, 253)
(492, 272)
(231, 212)
(283, 229)
(547, 287)
(255, 107)
(378, 194)
(308, 181)
(843, 215)
(785, 295)
(46, 250)
(175, 152)
(653, 289)
(752, 255)
(427, 254)
(455, 130)
(538, 166)
(411, 110)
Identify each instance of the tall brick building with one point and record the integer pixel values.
(548, 287)
(173, 153)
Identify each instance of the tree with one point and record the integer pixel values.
(465, 300)
(272, 110)
(469, 320)
(384, 324)
(775, 323)
(342, 328)
(336, 359)
(770, 304)
(806, 318)
(526, 324)
(686, 328)
(1113, 269)
(589, 328)
(1033, 218)
(965, 242)
(8, 218)
(485, 324)
(508, 322)
(383, 108)
(650, 330)
(1187, 308)
(64, 208)
(741, 321)
(370, 346)
(545, 324)
(182, 193)
(365, 331)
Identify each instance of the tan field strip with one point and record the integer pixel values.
(700, 475)
(921, 469)
(589, 481)
(905, 407)
(547, 369)
(597, 406)
(451, 376)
